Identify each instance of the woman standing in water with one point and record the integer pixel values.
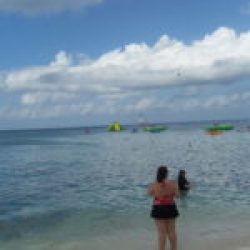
(164, 210)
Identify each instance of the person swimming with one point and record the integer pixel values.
(164, 210)
(183, 183)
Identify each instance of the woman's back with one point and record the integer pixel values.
(165, 188)
(164, 210)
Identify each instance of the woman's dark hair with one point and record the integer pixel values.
(182, 173)
(162, 173)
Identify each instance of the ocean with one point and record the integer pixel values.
(72, 189)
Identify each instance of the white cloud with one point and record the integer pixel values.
(61, 59)
(119, 79)
(58, 110)
(33, 7)
(42, 97)
(220, 57)
(190, 104)
(142, 104)
(33, 108)
(214, 102)
(192, 90)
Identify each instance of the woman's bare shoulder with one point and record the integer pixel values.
(172, 182)
(152, 185)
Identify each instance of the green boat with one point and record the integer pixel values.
(155, 129)
(220, 127)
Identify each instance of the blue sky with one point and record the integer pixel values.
(83, 62)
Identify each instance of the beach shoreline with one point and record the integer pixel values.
(234, 243)
(130, 239)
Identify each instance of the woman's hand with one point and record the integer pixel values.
(150, 190)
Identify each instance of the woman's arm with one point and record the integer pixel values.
(150, 190)
(176, 189)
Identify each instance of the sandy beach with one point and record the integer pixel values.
(133, 240)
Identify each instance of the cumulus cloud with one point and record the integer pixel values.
(214, 102)
(41, 97)
(57, 110)
(139, 105)
(221, 57)
(44, 6)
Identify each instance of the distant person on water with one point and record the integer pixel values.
(164, 210)
(183, 183)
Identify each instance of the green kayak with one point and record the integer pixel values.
(221, 127)
(155, 129)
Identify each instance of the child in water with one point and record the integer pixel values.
(183, 183)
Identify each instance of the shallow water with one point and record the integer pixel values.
(63, 189)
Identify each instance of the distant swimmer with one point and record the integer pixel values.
(164, 210)
(87, 130)
(183, 183)
(134, 130)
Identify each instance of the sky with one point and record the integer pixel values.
(91, 62)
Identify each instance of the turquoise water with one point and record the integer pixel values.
(65, 189)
